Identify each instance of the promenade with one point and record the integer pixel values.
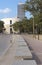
(35, 46)
(17, 51)
(4, 43)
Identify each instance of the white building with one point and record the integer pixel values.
(9, 21)
(7, 24)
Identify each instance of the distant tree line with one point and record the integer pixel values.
(27, 25)
(23, 26)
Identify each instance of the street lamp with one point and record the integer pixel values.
(33, 25)
(37, 30)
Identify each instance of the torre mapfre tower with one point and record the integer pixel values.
(20, 11)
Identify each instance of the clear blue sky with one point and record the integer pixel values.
(8, 8)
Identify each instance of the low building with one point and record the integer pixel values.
(7, 24)
(9, 21)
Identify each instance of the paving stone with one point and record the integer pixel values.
(25, 62)
(22, 48)
(21, 43)
(19, 38)
(23, 52)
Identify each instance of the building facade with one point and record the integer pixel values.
(20, 11)
(8, 24)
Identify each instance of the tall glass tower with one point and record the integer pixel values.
(20, 12)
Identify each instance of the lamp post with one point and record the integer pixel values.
(33, 26)
(38, 30)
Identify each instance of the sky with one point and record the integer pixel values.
(8, 8)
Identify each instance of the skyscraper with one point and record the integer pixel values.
(20, 12)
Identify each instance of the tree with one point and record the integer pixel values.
(22, 26)
(15, 26)
(34, 6)
(25, 24)
(1, 26)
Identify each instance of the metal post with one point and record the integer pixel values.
(38, 31)
(33, 26)
(38, 36)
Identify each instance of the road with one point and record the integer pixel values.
(4, 43)
(8, 57)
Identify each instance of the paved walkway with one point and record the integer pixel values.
(9, 57)
(35, 46)
(4, 43)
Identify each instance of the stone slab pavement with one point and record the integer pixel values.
(24, 62)
(4, 43)
(22, 51)
(35, 47)
(9, 57)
